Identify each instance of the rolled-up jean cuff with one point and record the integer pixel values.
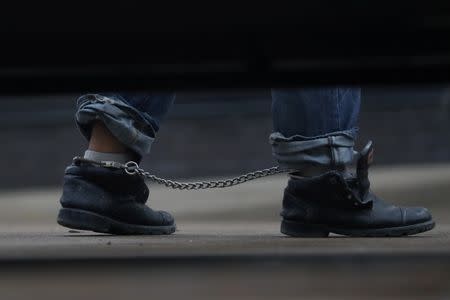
(126, 123)
(332, 150)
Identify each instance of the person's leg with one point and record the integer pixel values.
(314, 119)
(314, 133)
(132, 119)
(119, 128)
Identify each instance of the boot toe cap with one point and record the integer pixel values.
(416, 215)
(166, 217)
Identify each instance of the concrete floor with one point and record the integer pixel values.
(222, 261)
(228, 246)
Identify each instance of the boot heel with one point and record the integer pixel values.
(83, 220)
(298, 229)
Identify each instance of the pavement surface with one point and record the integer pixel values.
(227, 245)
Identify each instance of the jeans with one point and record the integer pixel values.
(312, 127)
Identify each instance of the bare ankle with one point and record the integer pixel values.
(102, 140)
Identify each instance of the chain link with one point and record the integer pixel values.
(132, 168)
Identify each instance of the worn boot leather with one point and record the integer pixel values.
(109, 201)
(342, 204)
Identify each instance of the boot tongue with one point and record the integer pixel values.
(362, 171)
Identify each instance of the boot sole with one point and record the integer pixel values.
(297, 229)
(86, 220)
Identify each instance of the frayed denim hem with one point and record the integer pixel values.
(125, 122)
(332, 150)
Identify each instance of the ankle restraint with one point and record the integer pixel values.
(132, 168)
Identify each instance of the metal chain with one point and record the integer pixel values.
(132, 168)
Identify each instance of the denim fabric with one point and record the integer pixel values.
(315, 112)
(134, 120)
(312, 127)
(333, 150)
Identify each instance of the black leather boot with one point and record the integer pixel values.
(334, 203)
(109, 201)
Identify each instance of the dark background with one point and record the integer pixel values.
(216, 133)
